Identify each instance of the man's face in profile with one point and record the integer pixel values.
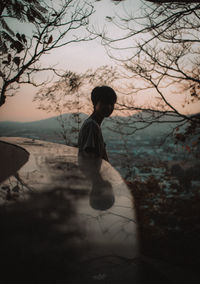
(105, 109)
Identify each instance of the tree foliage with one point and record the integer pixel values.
(50, 25)
(71, 94)
(158, 49)
(61, 95)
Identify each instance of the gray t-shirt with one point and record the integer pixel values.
(90, 138)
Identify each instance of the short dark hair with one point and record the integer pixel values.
(104, 94)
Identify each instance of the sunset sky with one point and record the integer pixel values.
(76, 57)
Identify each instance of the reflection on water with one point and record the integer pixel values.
(78, 222)
(101, 195)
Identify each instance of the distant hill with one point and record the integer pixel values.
(49, 129)
(130, 123)
(46, 129)
(49, 123)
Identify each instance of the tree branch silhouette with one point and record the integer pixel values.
(52, 25)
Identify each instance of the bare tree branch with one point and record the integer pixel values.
(54, 25)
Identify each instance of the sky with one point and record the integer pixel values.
(75, 57)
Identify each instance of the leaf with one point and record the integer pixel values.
(30, 16)
(50, 39)
(24, 38)
(36, 14)
(7, 37)
(18, 37)
(16, 60)
(5, 62)
(41, 9)
(9, 57)
(18, 46)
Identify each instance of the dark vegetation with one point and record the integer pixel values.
(169, 226)
(167, 207)
(34, 247)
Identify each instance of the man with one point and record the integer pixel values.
(90, 138)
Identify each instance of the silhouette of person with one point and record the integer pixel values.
(90, 138)
(92, 147)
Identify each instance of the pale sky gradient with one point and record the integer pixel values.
(78, 58)
(75, 57)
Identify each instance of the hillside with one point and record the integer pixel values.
(51, 126)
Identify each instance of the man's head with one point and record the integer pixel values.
(103, 99)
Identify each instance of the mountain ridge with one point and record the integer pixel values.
(52, 125)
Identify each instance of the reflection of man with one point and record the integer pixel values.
(90, 136)
(101, 195)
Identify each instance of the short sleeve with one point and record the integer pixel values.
(89, 138)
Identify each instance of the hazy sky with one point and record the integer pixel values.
(79, 58)
(75, 57)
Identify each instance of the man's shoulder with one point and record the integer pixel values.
(90, 123)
